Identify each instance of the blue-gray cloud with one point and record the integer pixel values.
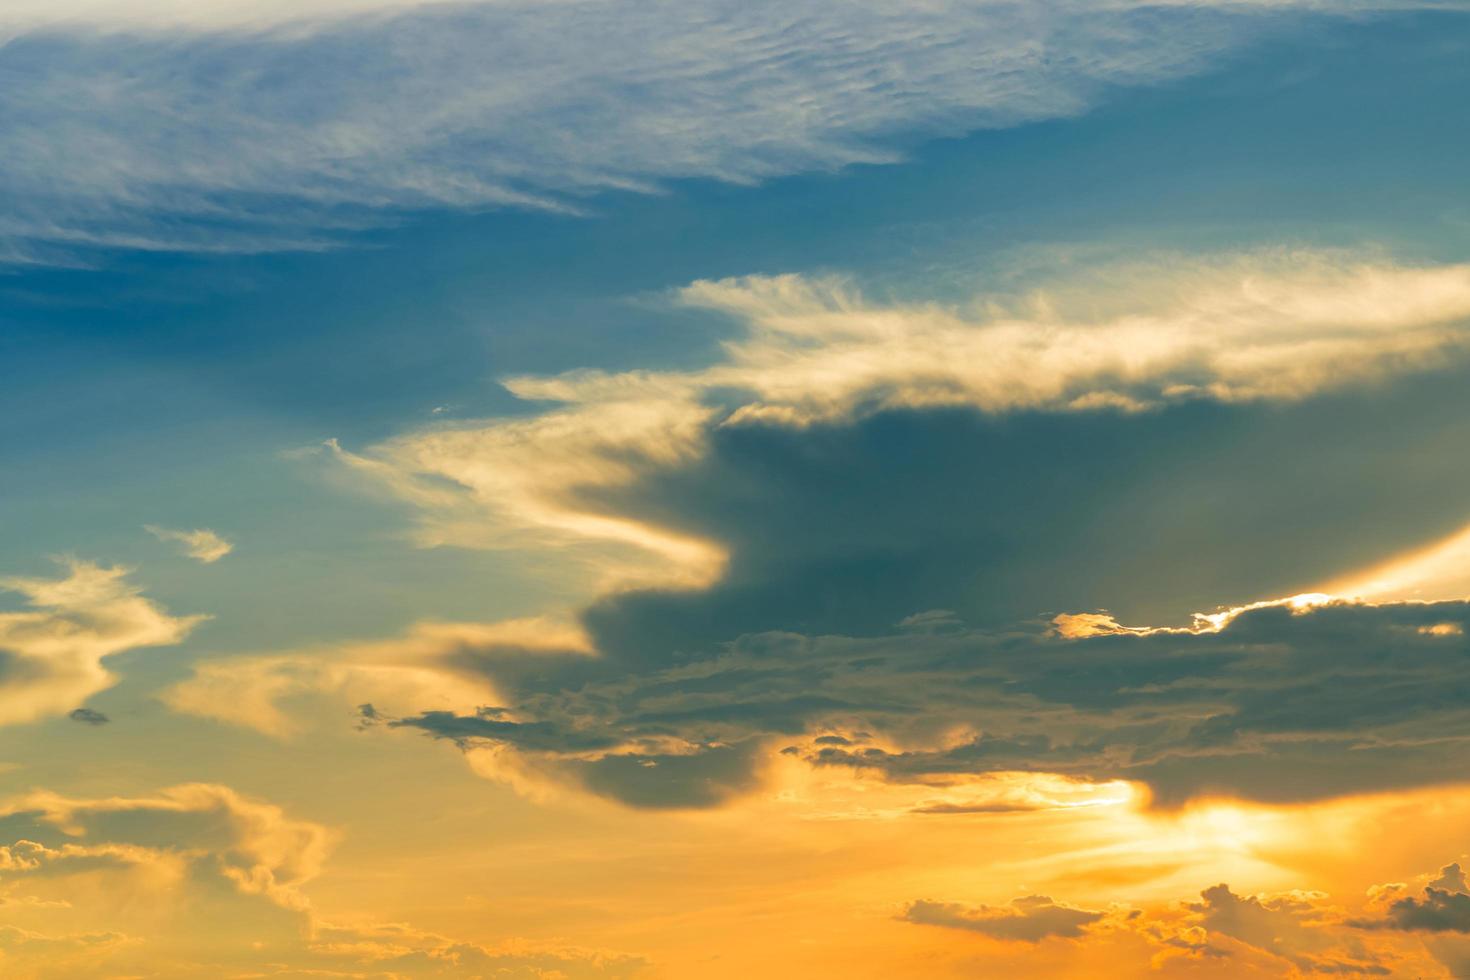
(1281, 704)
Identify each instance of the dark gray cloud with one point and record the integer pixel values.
(87, 716)
(851, 528)
(1279, 705)
(1029, 919)
(1437, 911)
(1443, 907)
(823, 640)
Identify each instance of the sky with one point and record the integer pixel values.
(571, 489)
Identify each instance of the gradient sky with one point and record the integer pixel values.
(631, 489)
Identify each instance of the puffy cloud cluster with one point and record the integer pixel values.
(51, 656)
(254, 846)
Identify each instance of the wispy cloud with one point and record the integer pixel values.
(234, 126)
(54, 652)
(201, 544)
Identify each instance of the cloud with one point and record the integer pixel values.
(1279, 704)
(51, 657)
(1030, 919)
(1224, 933)
(89, 717)
(202, 879)
(1438, 911)
(402, 951)
(253, 847)
(1443, 906)
(768, 551)
(67, 953)
(201, 544)
(172, 15)
(296, 127)
(1273, 327)
(442, 667)
(1281, 925)
(198, 879)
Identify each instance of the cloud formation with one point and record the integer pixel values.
(1279, 703)
(1263, 328)
(356, 106)
(767, 552)
(1441, 906)
(51, 657)
(201, 544)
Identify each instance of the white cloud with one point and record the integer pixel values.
(1270, 326)
(51, 657)
(164, 124)
(201, 544)
(192, 15)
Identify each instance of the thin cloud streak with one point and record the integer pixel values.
(201, 544)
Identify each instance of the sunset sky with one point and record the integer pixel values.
(592, 489)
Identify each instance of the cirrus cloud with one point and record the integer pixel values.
(165, 125)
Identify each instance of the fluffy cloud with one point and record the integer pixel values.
(201, 544)
(353, 106)
(51, 657)
(1272, 327)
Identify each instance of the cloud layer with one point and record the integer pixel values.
(235, 126)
